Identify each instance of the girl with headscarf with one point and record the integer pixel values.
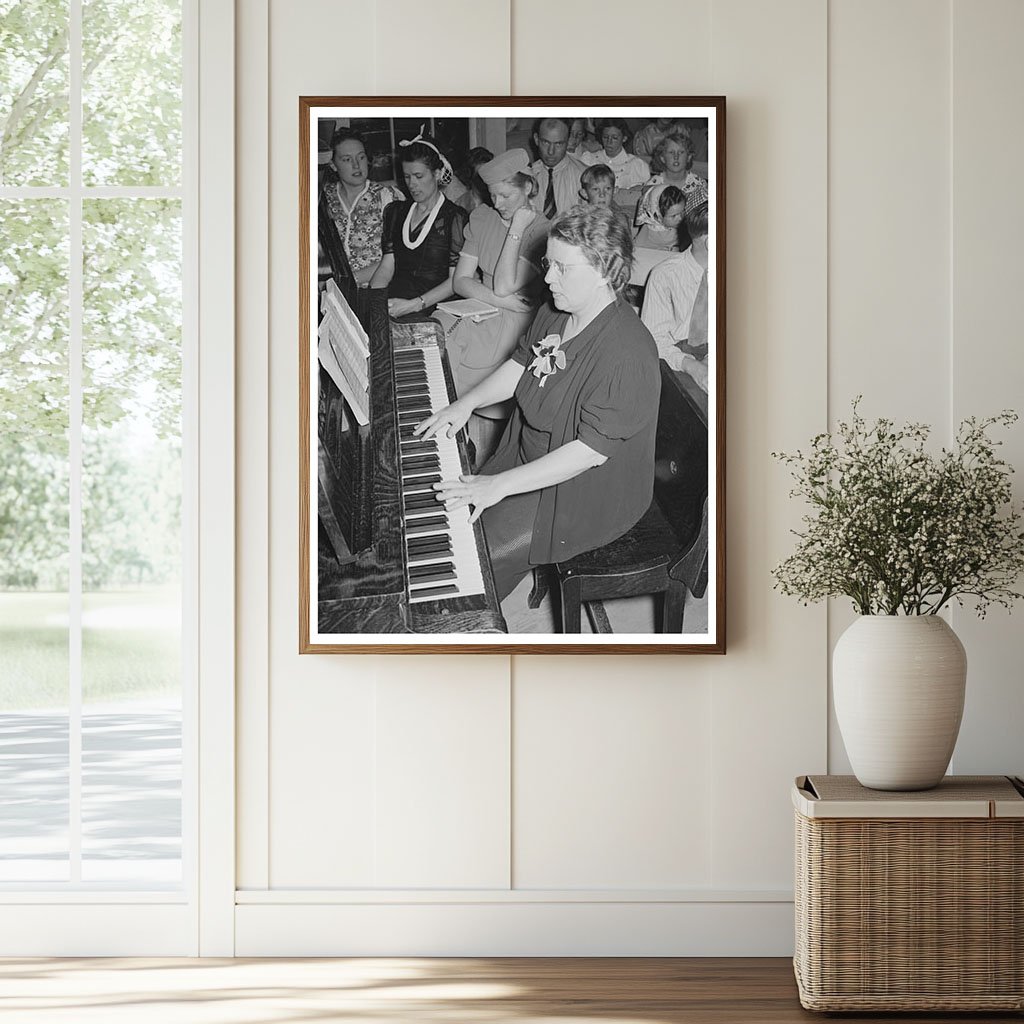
(657, 218)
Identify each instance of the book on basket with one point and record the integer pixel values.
(473, 308)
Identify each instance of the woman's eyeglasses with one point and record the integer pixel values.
(558, 266)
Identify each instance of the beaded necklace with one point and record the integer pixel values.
(428, 223)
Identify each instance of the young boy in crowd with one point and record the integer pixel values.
(597, 186)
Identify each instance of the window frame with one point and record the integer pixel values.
(75, 918)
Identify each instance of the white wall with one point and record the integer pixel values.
(546, 805)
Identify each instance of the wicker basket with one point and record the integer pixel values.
(910, 901)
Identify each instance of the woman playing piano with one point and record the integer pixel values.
(575, 466)
(422, 237)
(500, 265)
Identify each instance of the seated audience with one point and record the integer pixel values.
(557, 174)
(658, 216)
(672, 164)
(651, 134)
(629, 170)
(581, 138)
(676, 299)
(354, 205)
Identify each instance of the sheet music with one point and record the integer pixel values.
(344, 351)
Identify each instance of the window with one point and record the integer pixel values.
(95, 463)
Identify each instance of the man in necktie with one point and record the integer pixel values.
(557, 173)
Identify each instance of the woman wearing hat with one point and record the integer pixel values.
(423, 237)
(500, 264)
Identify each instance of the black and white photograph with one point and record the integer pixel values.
(512, 375)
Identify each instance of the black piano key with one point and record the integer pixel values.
(428, 556)
(411, 377)
(412, 447)
(432, 542)
(425, 570)
(420, 483)
(417, 499)
(440, 547)
(414, 462)
(414, 406)
(412, 390)
(425, 524)
(412, 418)
(421, 501)
(409, 353)
(448, 588)
(432, 577)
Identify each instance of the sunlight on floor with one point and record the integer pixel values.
(187, 991)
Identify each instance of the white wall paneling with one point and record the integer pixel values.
(768, 693)
(217, 451)
(987, 368)
(253, 465)
(889, 269)
(612, 775)
(561, 805)
(573, 48)
(451, 48)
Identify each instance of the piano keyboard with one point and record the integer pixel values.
(440, 545)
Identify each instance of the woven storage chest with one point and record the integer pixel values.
(910, 901)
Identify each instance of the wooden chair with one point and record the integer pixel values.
(667, 551)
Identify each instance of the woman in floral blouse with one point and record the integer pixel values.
(356, 205)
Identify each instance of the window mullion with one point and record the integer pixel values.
(75, 333)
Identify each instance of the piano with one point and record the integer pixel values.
(391, 558)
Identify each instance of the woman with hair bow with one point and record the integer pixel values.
(423, 236)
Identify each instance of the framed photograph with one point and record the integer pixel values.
(512, 375)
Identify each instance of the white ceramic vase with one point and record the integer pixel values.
(898, 684)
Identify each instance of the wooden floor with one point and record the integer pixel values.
(383, 991)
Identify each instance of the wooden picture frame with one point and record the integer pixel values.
(378, 572)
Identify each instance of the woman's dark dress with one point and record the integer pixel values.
(606, 396)
(429, 264)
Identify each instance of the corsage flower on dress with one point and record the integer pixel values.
(548, 358)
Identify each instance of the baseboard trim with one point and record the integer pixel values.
(494, 927)
(348, 897)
